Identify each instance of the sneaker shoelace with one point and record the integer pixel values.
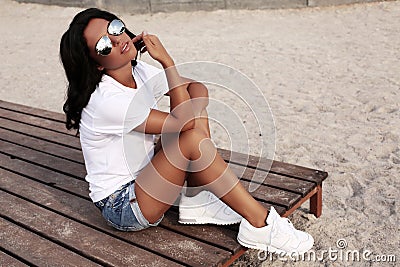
(286, 225)
(218, 204)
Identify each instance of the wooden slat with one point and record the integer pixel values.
(32, 111)
(274, 180)
(9, 261)
(53, 178)
(273, 195)
(291, 170)
(49, 177)
(307, 174)
(62, 139)
(42, 145)
(220, 236)
(88, 241)
(43, 159)
(160, 240)
(304, 174)
(35, 249)
(35, 121)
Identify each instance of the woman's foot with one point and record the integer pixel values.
(206, 208)
(278, 236)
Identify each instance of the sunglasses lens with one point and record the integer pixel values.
(104, 46)
(116, 27)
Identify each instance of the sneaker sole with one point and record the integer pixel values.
(252, 246)
(269, 248)
(206, 221)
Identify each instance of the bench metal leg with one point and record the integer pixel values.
(316, 202)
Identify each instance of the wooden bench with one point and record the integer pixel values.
(47, 218)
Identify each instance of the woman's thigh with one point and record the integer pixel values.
(123, 212)
(160, 182)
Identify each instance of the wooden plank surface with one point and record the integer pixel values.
(184, 249)
(50, 162)
(264, 193)
(41, 145)
(41, 133)
(273, 194)
(37, 250)
(86, 241)
(49, 177)
(286, 197)
(220, 236)
(55, 116)
(42, 178)
(273, 180)
(10, 261)
(290, 170)
(39, 122)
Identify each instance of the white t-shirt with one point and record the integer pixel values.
(114, 154)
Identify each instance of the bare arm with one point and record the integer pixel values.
(181, 116)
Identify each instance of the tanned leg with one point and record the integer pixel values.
(199, 95)
(160, 182)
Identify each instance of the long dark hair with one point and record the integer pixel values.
(81, 70)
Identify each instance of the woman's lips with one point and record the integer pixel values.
(125, 48)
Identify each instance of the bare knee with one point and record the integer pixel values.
(186, 147)
(195, 143)
(199, 95)
(197, 89)
(193, 136)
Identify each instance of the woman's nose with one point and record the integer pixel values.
(115, 39)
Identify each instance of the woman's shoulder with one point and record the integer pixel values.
(145, 66)
(146, 69)
(108, 90)
(109, 86)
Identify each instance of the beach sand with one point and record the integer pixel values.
(331, 77)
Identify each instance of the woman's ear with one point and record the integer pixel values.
(100, 68)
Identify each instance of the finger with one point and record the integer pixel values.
(148, 40)
(137, 37)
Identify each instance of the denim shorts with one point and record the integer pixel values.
(121, 210)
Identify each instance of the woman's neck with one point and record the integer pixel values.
(124, 76)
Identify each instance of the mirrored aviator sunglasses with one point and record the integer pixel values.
(104, 45)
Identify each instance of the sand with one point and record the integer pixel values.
(330, 75)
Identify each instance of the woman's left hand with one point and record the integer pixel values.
(139, 43)
(156, 49)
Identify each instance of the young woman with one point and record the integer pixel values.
(111, 101)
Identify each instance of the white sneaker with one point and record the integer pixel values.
(205, 208)
(278, 236)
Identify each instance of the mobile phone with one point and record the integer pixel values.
(140, 46)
